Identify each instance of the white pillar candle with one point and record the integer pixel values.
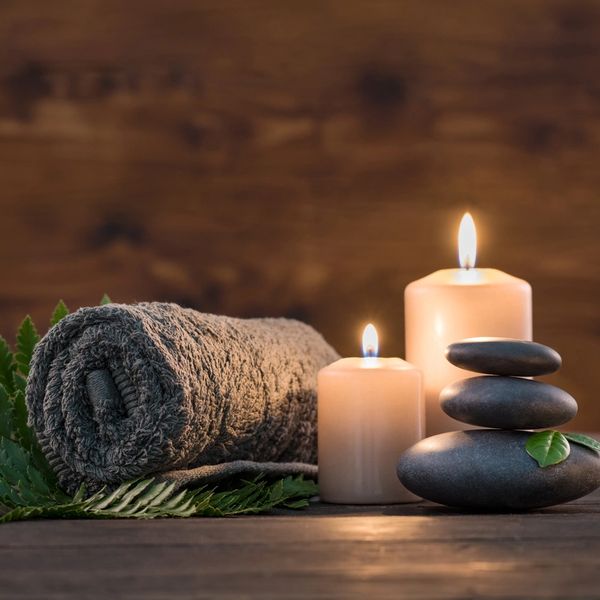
(369, 411)
(454, 304)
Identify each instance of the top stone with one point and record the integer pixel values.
(503, 356)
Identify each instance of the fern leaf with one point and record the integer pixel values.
(37, 480)
(41, 464)
(298, 486)
(105, 300)
(141, 499)
(28, 495)
(157, 493)
(100, 501)
(6, 416)
(8, 495)
(259, 496)
(276, 493)
(28, 484)
(130, 496)
(296, 504)
(21, 432)
(79, 494)
(27, 338)
(23, 513)
(56, 511)
(19, 383)
(7, 366)
(182, 506)
(11, 498)
(60, 312)
(148, 500)
(176, 501)
(14, 461)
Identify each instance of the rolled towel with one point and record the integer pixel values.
(122, 391)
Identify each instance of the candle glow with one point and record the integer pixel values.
(369, 411)
(467, 242)
(370, 341)
(453, 304)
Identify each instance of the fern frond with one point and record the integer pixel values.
(21, 483)
(6, 415)
(60, 312)
(7, 366)
(146, 499)
(27, 338)
(21, 432)
(259, 496)
(19, 383)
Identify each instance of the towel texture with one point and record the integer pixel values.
(121, 391)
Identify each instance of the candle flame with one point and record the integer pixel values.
(370, 341)
(467, 242)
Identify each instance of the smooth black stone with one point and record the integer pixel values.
(490, 469)
(503, 356)
(507, 403)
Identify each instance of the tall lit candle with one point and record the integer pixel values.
(453, 304)
(369, 411)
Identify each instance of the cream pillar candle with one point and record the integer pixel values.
(369, 411)
(455, 304)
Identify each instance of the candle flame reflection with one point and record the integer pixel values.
(467, 242)
(370, 341)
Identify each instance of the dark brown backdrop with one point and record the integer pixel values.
(302, 158)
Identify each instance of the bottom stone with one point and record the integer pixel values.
(490, 469)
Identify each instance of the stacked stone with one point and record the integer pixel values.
(490, 468)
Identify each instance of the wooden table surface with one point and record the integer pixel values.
(400, 552)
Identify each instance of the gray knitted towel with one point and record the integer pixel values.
(121, 391)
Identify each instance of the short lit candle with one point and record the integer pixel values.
(454, 304)
(369, 411)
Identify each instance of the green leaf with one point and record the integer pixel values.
(584, 440)
(6, 417)
(105, 300)
(22, 433)
(21, 483)
(130, 496)
(548, 447)
(23, 513)
(258, 496)
(19, 383)
(296, 504)
(41, 463)
(27, 338)
(13, 425)
(298, 486)
(79, 494)
(7, 366)
(60, 312)
(145, 499)
(142, 499)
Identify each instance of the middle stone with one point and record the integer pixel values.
(507, 403)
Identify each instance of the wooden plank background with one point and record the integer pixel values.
(306, 158)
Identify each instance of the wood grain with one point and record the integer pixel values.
(418, 551)
(302, 159)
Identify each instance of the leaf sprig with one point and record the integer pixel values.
(29, 488)
(552, 447)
